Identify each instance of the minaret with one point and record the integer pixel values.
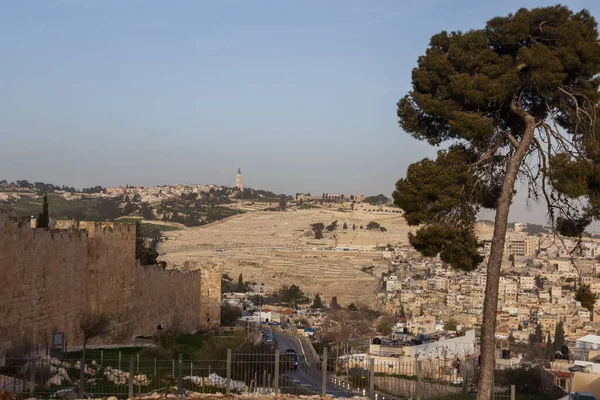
(238, 181)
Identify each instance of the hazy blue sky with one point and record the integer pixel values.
(299, 94)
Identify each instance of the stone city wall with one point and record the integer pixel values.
(52, 278)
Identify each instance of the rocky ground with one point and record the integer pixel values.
(214, 396)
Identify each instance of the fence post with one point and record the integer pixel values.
(276, 374)
(32, 367)
(228, 382)
(102, 357)
(418, 385)
(81, 378)
(372, 378)
(466, 385)
(154, 366)
(131, 375)
(119, 359)
(324, 370)
(512, 392)
(180, 375)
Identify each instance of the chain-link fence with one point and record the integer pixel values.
(272, 372)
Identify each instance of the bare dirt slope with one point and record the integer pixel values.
(278, 248)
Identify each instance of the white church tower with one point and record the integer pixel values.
(238, 181)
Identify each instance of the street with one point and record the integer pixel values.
(309, 377)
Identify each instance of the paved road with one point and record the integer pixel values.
(309, 377)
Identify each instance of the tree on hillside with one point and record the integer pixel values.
(318, 230)
(402, 312)
(292, 294)
(331, 227)
(317, 303)
(44, 218)
(353, 227)
(334, 305)
(376, 200)
(587, 298)
(559, 336)
(146, 211)
(511, 337)
(92, 326)
(450, 325)
(282, 203)
(241, 288)
(345, 226)
(549, 348)
(385, 328)
(373, 226)
(352, 307)
(517, 99)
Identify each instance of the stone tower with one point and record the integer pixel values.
(238, 181)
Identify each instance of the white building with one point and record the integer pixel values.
(458, 347)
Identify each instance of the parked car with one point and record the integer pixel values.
(583, 396)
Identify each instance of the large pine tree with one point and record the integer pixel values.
(515, 99)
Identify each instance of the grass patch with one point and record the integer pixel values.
(58, 205)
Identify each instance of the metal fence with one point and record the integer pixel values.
(272, 372)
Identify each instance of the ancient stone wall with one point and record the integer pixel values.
(168, 297)
(41, 276)
(51, 278)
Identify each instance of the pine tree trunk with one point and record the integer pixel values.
(490, 303)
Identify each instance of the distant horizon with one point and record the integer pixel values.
(485, 215)
(301, 96)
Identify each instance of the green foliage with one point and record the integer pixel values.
(373, 226)
(241, 288)
(292, 295)
(282, 203)
(376, 200)
(352, 307)
(146, 254)
(450, 325)
(318, 230)
(317, 303)
(146, 211)
(559, 336)
(44, 217)
(332, 227)
(457, 247)
(587, 298)
(385, 328)
(478, 89)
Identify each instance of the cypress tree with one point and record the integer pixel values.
(44, 217)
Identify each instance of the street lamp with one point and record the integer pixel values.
(572, 370)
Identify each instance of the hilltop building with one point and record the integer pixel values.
(238, 181)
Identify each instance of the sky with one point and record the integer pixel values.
(300, 95)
